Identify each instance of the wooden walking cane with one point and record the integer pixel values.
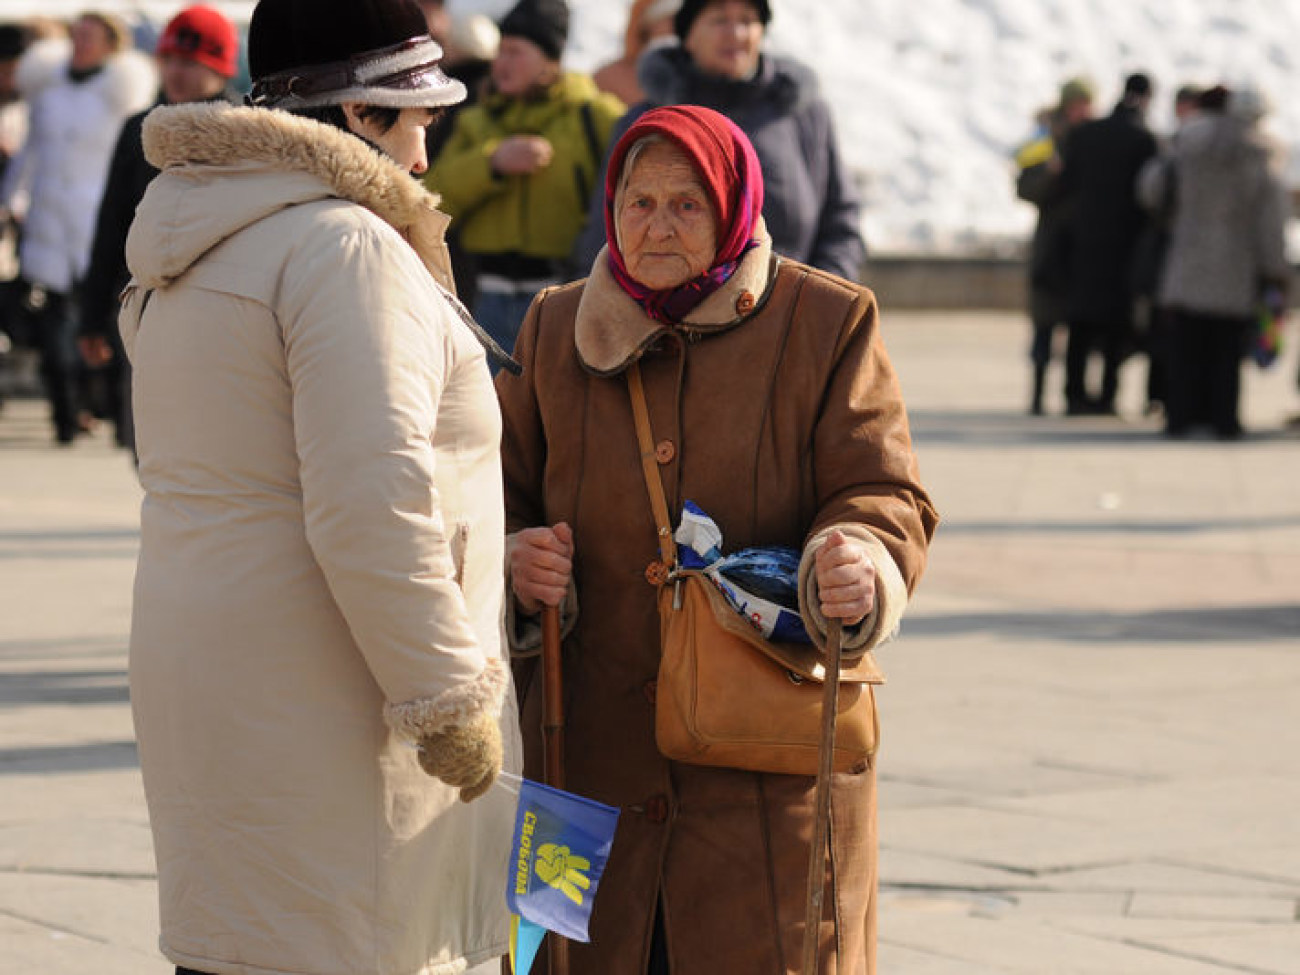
(822, 815)
(553, 741)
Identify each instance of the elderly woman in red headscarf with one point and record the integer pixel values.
(775, 409)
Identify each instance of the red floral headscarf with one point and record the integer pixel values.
(728, 167)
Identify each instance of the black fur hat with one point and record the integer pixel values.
(305, 53)
(692, 8)
(544, 22)
(13, 41)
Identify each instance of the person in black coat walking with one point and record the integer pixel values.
(1100, 167)
(1039, 167)
(198, 55)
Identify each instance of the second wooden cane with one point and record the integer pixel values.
(553, 743)
(822, 812)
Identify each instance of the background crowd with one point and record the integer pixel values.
(1174, 247)
(1121, 262)
(518, 166)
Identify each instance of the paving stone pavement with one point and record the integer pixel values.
(1091, 758)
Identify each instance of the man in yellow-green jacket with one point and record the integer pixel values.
(518, 170)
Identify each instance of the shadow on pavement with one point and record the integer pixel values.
(105, 756)
(1132, 527)
(74, 544)
(65, 687)
(995, 429)
(1226, 625)
(77, 534)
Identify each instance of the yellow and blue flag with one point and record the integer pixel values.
(561, 846)
(525, 939)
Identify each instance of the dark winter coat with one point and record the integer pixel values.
(129, 174)
(810, 204)
(1036, 180)
(780, 415)
(1101, 163)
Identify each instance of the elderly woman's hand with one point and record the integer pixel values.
(846, 580)
(541, 565)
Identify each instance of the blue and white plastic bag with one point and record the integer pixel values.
(761, 584)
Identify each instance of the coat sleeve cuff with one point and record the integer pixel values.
(524, 633)
(882, 622)
(456, 706)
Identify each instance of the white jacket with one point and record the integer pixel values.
(61, 170)
(321, 566)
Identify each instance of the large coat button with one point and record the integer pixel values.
(665, 451)
(745, 302)
(656, 573)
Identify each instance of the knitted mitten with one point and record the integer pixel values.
(467, 756)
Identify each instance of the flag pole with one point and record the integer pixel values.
(553, 741)
(822, 813)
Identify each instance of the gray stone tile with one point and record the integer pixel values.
(1054, 903)
(1021, 842)
(1169, 878)
(908, 961)
(1034, 946)
(1262, 910)
(78, 845)
(908, 871)
(1274, 949)
(62, 926)
(1263, 949)
(1275, 860)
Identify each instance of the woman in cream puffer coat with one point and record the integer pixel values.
(320, 577)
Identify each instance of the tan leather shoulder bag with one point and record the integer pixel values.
(726, 696)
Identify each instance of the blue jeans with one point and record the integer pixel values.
(501, 314)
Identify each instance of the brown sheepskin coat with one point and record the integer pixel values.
(775, 409)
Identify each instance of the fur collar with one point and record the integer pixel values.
(612, 330)
(215, 134)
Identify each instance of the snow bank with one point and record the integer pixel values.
(932, 96)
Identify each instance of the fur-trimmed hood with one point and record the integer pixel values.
(225, 168)
(612, 330)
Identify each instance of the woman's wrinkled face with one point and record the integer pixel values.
(520, 66)
(404, 143)
(666, 226)
(726, 39)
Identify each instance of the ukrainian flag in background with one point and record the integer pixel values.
(561, 845)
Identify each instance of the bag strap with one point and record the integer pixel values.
(650, 466)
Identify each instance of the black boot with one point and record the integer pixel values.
(1040, 377)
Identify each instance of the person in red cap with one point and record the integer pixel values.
(198, 54)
